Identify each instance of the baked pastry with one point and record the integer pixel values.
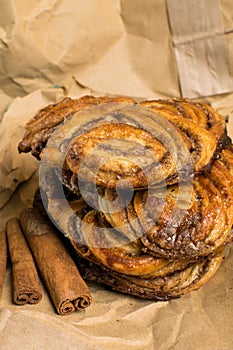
(121, 264)
(42, 125)
(145, 189)
(177, 110)
(170, 286)
(173, 224)
(154, 146)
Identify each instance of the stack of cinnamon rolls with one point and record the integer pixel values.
(144, 191)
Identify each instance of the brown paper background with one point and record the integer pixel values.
(51, 49)
(198, 39)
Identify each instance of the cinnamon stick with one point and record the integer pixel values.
(3, 258)
(65, 285)
(26, 285)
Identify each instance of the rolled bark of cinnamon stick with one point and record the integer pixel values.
(26, 284)
(65, 285)
(3, 258)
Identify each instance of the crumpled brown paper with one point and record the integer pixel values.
(100, 42)
(111, 46)
(198, 41)
(51, 49)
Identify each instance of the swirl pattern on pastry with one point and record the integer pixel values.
(169, 226)
(45, 122)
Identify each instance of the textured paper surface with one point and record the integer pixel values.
(39, 50)
(111, 46)
(199, 44)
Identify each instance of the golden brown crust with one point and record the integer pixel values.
(117, 142)
(197, 126)
(173, 227)
(139, 151)
(198, 113)
(169, 286)
(43, 124)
